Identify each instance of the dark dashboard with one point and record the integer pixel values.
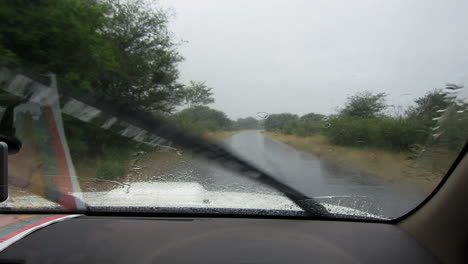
(215, 240)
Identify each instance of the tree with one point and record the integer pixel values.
(247, 123)
(312, 117)
(202, 119)
(445, 116)
(60, 36)
(121, 51)
(364, 104)
(146, 72)
(428, 105)
(197, 93)
(279, 122)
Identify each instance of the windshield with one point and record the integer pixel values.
(297, 108)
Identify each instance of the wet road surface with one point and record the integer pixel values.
(305, 172)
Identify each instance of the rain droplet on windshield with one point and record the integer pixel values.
(263, 115)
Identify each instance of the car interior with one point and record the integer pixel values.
(139, 104)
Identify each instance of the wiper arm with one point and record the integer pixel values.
(201, 146)
(168, 131)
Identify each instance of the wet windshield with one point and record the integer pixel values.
(297, 108)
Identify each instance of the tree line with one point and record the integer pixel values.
(121, 51)
(365, 121)
(116, 50)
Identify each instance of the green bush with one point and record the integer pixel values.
(452, 129)
(107, 153)
(309, 128)
(307, 125)
(436, 121)
(201, 119)
(247, 123)
(351, 131)
(401, 134)
(398, 134)
(280, 122)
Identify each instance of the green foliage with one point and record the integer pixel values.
(247, 123)
(307, 125)
(435, 120)
(60, 36)
(145, 75)
(201, 119)
(107, 153)
(197, 93)
(279, 122)
(365, 104)
(310, 117)
(451, 129)
(398, 134)
(428, 105)
(118, 50)
(309, 128)
(347, 130)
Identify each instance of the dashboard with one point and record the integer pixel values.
(92, 239)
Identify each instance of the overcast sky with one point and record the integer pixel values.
(303, 56)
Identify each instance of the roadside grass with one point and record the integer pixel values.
(105, 173)
(113, 166)
(422, 174)
(220, 135)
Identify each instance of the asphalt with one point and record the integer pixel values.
(318, 178)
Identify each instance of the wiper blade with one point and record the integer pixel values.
(161, 130)
(199, 145)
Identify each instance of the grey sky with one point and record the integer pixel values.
(307, 56)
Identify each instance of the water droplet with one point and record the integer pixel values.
(452, 87)
(263, 115)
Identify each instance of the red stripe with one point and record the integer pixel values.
(63, 180)
(26, 227)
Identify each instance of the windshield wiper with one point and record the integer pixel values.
(160, 129)
(201, 146)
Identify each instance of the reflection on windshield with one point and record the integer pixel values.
(122, 105)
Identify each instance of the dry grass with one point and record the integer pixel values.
(137, 168)
(140, 168)
(391, 166)
(220, 135)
